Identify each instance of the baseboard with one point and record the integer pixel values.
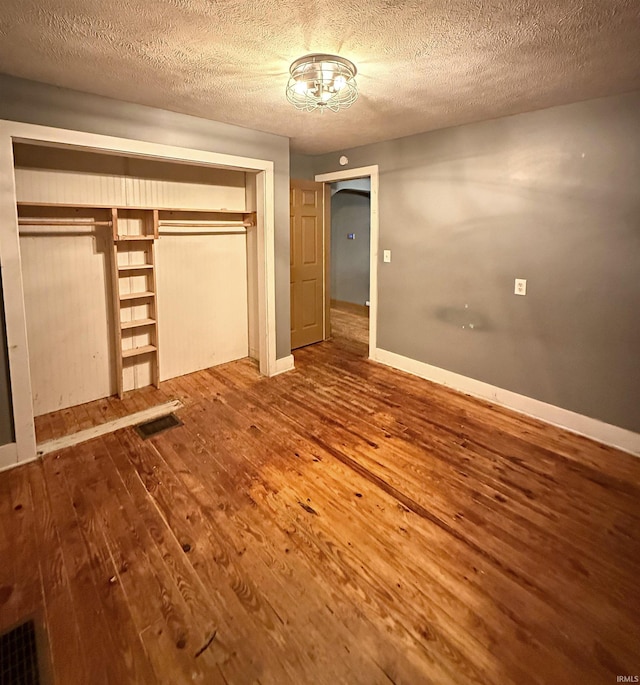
(283, 365)
(563, 418)
(109, 427)
(8, 456)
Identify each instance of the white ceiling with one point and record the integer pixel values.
(422, 65)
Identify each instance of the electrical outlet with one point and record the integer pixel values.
(521, 286)
(386, 256)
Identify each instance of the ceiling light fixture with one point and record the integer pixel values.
(322, 82)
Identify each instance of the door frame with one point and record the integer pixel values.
(374, 232)
(24, 447)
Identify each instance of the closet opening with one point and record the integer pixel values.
(135, 271)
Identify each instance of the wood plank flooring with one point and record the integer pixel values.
(342, 523)
(58, 424)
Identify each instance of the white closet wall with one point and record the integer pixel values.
(201, 279)
(68, 177)
(165, 186)
(202, 301)
(68, 317)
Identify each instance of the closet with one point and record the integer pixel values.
(134, 271)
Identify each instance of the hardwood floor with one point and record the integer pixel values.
(342, 523)
(351, 329)
(58, 424)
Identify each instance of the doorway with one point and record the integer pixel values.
(349, 262)
(311, 256)
(363, 179)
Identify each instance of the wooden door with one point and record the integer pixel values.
(307, 263)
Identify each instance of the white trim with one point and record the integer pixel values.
(109, 427)
(8, 456)
(15, 317)
(347, 174)
(19, 463)
(265, 194)
(283, 365)
(12, 131)
(374, 232)
(563, 418)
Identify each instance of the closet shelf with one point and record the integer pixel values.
(134, 267)
(180, 210)
(137, 296)
(27, 221)
(131, 238)
(137, 351)
(139, 323)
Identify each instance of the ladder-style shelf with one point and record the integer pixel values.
(138, 351)
(126, 296)
(134, 267)
(140, 323)
(137, 296)
(133, 238)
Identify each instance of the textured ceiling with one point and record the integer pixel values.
(422, 65)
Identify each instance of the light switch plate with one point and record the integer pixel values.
(386, 256)
(521, 286)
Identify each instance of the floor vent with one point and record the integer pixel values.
(19, 657)
(151, 428)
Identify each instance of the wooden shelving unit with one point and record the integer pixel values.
(145, 240)
(133, 266)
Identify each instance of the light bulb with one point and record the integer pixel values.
(326, 96)
(300, 88)
(340, 82)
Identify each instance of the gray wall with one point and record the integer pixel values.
(350, 213)
(37, 103)
(301, 167)
(551, 196)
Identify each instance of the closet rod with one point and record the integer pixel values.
(59, 222)
(204, 224)
(241, 232)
